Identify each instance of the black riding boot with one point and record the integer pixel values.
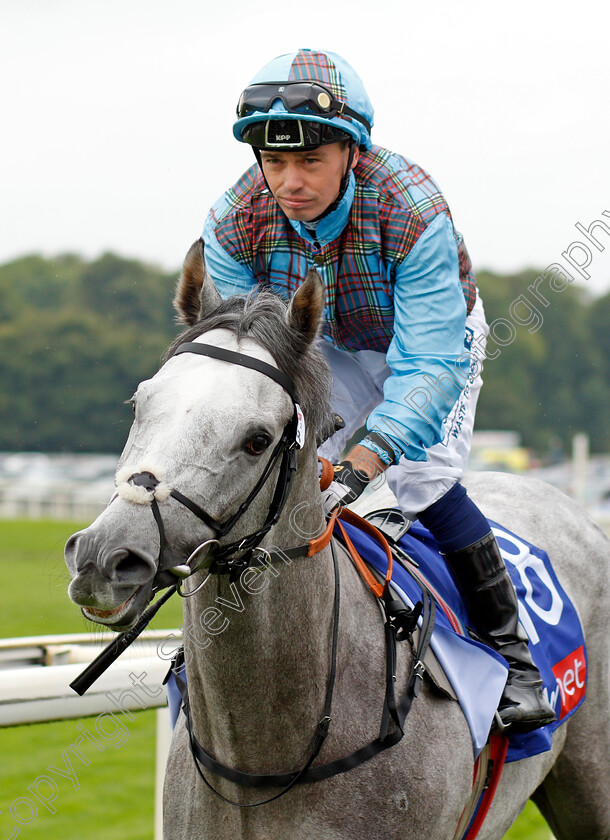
(489, 593)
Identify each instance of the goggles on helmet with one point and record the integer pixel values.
(298, 98)
(292, 134)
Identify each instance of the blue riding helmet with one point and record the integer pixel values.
(302, 100)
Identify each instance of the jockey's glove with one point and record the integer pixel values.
(347, 485)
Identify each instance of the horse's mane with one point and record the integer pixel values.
(261, 316)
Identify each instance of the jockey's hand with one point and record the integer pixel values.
(347, 485)
(351, 477)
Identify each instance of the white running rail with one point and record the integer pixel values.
(36, 672)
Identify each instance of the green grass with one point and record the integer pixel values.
(529, 826)
(115, 796)
(114, 800)
(33, 595)
(33, 598)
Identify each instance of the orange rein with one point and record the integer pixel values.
(352, 518)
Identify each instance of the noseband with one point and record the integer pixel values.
(224, 559)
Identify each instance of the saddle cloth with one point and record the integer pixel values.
(476, 672)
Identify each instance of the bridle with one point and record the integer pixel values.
(233, 557)
(223, 559)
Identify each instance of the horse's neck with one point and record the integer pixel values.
(258, 649)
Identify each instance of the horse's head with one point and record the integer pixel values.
(207, 432)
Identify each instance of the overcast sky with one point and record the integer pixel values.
(116, 116)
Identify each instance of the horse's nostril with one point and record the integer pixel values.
(128, 567)
(130, 563)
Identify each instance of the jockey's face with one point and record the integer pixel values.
(304, 184)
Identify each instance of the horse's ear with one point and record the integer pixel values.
(307, 305)
(196, 295)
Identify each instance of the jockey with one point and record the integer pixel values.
(404, 327)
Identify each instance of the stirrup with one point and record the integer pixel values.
(530, 710)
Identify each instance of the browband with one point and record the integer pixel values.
(240, 359)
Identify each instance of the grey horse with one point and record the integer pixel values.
(258, 648)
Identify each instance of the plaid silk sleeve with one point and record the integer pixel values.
(426, 355)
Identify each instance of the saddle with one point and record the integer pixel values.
(474, 671)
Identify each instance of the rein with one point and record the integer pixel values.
(399, 622)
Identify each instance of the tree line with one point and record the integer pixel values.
(77, 336)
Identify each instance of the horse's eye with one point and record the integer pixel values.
(257, 444)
